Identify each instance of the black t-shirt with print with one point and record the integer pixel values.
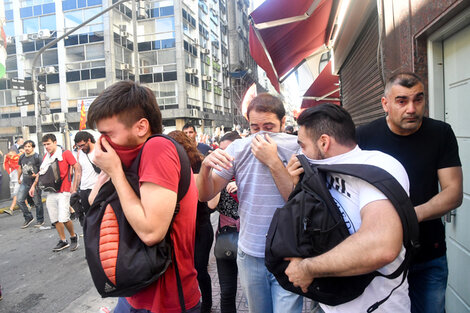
(29, 165)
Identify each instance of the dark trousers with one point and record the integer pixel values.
(84, 194)
(227, 271)
(204, 239)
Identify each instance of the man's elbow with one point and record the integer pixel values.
(151, 239)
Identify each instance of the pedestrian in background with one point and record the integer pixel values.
(204, 231)
(29, 164)
(11, 166)
(226, 203)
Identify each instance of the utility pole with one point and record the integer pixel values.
(38, 54)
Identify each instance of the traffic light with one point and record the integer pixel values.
(44, 104)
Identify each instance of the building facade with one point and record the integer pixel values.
(177, 48)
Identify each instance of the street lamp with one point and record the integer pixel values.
(50, 44)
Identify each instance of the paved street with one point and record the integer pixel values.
(36, 280)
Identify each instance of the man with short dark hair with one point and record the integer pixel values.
(258, 163)
(85, 143)
(29, 167)
(126, 114)
(428, 150)
(190, 131)
(58, 202)
(327, 136)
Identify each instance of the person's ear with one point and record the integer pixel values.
(142, 127)
(324, 143)
(385, 104)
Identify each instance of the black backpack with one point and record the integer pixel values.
(134, 265)
(311, 224)
(50, 181)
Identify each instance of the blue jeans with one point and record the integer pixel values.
(263, 292)
(124, 307)
(427, 286)
(21, 198)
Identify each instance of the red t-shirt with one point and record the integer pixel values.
(64, 166)
(160, 165)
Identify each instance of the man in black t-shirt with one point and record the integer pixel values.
(428, 150)
(29, 164)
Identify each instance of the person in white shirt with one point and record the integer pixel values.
(327, 136)
(85, 143)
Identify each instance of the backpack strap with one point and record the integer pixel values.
(183, 187)
(393, 190)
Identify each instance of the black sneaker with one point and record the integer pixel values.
(27, 223)
(74, 243)
(39, 224)
(61, 246)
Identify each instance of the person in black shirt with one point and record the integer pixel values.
(428, 150)
(29, 164)
(190, 131)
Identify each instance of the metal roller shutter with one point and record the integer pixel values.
(361, 82)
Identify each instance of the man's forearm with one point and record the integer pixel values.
(445, 201)
(282, 179)
(205, 184)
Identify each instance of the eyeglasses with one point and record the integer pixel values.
(81, 146)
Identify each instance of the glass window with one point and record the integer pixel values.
(166, 56)
(81, 3)
(9, 15)
(75, 54)
(168, 43)
(52, 79)
(30, 25)
(85, 74)
(168, 76)
(72, 76)
(73, 18)
(94, 2)
(95, 52)
(49, 57)
(98, 73)
(53, 91)
(26, 12)
(11, 64)
(47, 22)
(95, 88)
(9, 29)
(37, 10)
(76, 90)
(165, 24)
(92, 12)
(167, 11)
(71, 40)
(48, 8)
(69, 4)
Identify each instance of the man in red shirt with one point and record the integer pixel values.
(58, 202)
(127, 113)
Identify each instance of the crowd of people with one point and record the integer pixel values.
(246, 179)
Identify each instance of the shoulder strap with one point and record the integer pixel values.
(392, 189)
(185, 179)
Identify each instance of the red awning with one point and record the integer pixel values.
(325, 88)
(285, 32)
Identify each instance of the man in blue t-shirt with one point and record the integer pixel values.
(428, 150)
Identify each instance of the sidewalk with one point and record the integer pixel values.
(91, 302)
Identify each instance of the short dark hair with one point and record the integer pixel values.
(21, 147)
(189, 125)
(405, 79)
(48, 137)
(30, 142)
(130, 102)
(329, 119)
(231, 136)
(265, 102)
(84, 136)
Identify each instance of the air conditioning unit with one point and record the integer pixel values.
(206, 77)
(216, 59)
(46, 119)
(191, 71)
(25, 38)
(205, 51)
(125, 34)
(196, 41)
(143, 13)
(10, 40)
(125, 66)
(123, 27)
(58, 117)
(33, 36)
(44, 34)
(193, 113)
